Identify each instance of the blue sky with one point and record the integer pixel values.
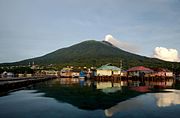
(31, 28)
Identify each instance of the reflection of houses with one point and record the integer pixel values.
(161, 84)
(108, 87)
(103, 85)
(139, 71)
(68, 81)
(161, 72)
(108, 70)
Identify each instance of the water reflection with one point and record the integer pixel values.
(109, 87)
(68, 81)
(88, 98)
(85, 94)
(168, 99)
(168, 83)
(110, 84)
(164, 84)
(165, 99)
(123, 106)
(88, 94)
(30, 104)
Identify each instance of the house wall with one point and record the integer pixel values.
(124, 74)
(161, 73)
(107, 72)
(117, 72)
(28, 75)
(169, 74)
(20, 75)
(51, 73)
(136, 73)
(75, 74)
(66, 74)
(104, 72)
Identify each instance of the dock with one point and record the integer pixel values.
(7, 84)
(163, 80)
(123, 78)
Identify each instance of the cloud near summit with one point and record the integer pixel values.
(122, 45)
(166, 54)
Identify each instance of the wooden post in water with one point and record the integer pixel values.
(174, 80)
(120, 70)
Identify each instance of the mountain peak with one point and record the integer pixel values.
(127, 46)
(92, 53)
(111, 40)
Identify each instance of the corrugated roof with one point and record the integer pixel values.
(108, 67)
(161, 70)
(66, 69)
(139, 68)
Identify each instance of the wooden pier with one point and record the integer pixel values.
(142, 79)
(152, 82)
(7, 84)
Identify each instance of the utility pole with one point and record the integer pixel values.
(120, 69)
(120, 73)
(121, 64)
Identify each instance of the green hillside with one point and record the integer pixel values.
(96, 53)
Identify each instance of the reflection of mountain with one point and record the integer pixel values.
(123, 106)
(168, 99)
(84, 97)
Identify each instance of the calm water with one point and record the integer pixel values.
(71, 98)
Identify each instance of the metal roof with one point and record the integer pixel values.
(66, 69)
(108, 67)
(139, 68)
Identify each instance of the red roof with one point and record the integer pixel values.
(139, 68)
(161, 70)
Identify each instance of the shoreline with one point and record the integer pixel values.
(7, 84)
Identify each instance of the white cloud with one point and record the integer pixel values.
(120, 44)
(166, 54)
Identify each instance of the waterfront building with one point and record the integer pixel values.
(161, 72)
(108, 70)
(139, 71)
(75, 73)
(66, 72)
(28, 75)
(20, 75)
(50, 72)
(24, 75)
